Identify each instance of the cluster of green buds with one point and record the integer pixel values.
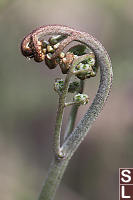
(83, 70)
(81, 99)
(86, 68)
(59, 84)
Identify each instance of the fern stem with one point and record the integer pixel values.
(31, 47)
(53, 179)
(59, 116)
(73, 114)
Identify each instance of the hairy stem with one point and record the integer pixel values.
(75, 138)
(53, 179)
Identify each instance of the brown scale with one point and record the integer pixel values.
(38, 54)
(66, 62)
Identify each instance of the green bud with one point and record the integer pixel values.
(86, 68)
(74, 86)
(93, 74)
(62, 55)
(50, 49)
(81, 99)
(51, 63)
(79, 67)
(83, 68)
(91, 61)
(55, 39)
(56, 45)
(44, 44)
(58, 85)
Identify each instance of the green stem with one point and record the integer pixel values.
(69, 104)
(73, 114)
(59, 116)
(71, 121)
(53, 179)
(60, 162)
(60, 111)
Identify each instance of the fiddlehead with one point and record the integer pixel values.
(82, 61)
(33, 46)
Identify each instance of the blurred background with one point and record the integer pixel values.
(28, 102)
